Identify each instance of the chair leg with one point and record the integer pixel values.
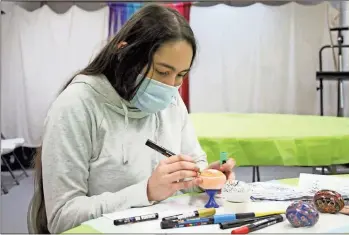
(253, 174)
(258, 175)
(9, 168)
(3, 188)
(20, 164)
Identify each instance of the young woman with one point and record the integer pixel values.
(93, 158)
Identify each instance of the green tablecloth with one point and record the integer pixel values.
(274, 139)
(85, 229)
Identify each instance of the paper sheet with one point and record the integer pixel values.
(172, 206)
(310, 184)
(274, 191)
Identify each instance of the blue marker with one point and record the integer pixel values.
(216, 219)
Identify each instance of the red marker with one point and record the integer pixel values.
(258, 225)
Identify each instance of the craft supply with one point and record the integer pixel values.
(240, 222)
(328, 201)
(255, 214)
(302, 214)
(216, 219)
(236, 191)
(159, 149)
(136, 219)
(223, 157)
(168, 224)
(258, 225)
(212, 181)
(199, 213)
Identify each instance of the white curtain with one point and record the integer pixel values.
(41, 50)
(262, 59)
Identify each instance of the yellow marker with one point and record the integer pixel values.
(206, 212)
(199, 213)
(260, 214)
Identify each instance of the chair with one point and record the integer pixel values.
(3, 188)
(9, 146)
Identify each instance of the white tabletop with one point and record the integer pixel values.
(7, 147)
(326, 224)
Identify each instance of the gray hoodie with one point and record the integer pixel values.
(94, 157)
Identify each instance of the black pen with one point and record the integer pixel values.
(136, 219)
(159, 149)
(258, 225)
(240, 222)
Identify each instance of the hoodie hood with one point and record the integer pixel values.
(103, 87)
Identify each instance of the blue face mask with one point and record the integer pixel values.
(153, 96)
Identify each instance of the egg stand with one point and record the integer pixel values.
(211, 203)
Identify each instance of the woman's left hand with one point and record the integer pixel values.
(226, 168)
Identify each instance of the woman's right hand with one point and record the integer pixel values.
(167, 177)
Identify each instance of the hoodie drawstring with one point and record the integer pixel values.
(124, 153)
(156, 137)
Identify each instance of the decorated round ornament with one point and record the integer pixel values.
(302, 214)
(328, 201)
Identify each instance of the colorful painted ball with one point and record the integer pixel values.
(328, 201)
(302, 214)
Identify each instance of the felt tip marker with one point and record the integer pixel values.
(159, 149)
(168, 224)
(223, 157)
(136, 219)
(216, 219)
(199, 213)
(256, 214)
(258, 225)
(240, 222)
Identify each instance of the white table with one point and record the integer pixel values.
(327, 223)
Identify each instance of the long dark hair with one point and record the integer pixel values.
(144, 33)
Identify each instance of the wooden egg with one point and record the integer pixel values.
(328, 201)
(302, 214)
(212, 179)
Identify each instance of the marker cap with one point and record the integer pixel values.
(207, 212)
(240, 230)
(224, 218)
(223, 157)
(168, 224)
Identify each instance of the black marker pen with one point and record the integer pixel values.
(159, 149)
(258, 225)
(240, 222)
(136, 219)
